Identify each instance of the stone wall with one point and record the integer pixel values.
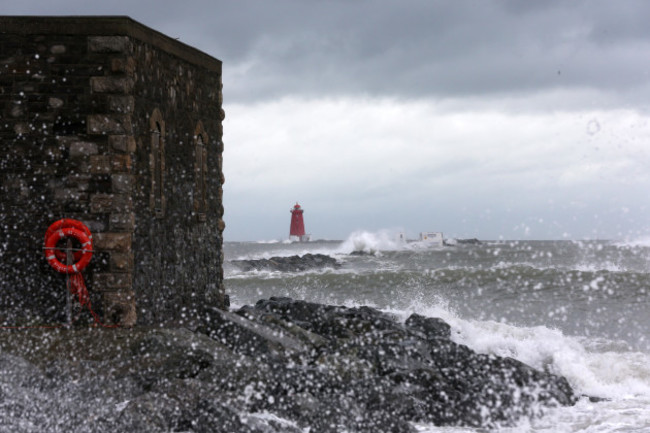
(78, 140)
(187, 101)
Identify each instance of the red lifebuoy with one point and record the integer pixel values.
(69, 228)
(50, 250)
(64, 223)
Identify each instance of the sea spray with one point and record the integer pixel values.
(576, 308)
(372, 242)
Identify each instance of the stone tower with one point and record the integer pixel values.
(107, 121)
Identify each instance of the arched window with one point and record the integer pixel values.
(200, 172)
(157, 164)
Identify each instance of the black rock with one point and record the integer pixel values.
(430, 327)
(472, 241)
(362, 253)
(412, 371)
(288, 264)
(305, 365)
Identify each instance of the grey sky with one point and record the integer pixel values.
(512, 119)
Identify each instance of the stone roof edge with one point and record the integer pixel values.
(106, 26)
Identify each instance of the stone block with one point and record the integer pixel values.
(95, 226)
(124, 65)
(121, 262)
(112, 124)
(77, 180)
(111, 203)
(16, 187)
(122, 183)
(122, 143)
(21, 128)
(17, 110)
(58, 49)
(54, 153)
(100, 164)
(101, 203)
(112, 241)
(55, 102)
(112, 84)
(119, 308)
(112, 280)
(66, 140)
(121, 104)
(82, 148)
(109, 44)
(122, 203)
(122, 222)
(69, 194)
(120, 163)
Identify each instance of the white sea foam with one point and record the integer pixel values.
(643, 241)
(261, 419)
(607, 266)
(378, 241)
(614, 372)
(594, 367)
(371, 242)
(580, 267)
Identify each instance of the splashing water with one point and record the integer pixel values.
(578, 309)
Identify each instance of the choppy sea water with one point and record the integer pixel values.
(579, 309)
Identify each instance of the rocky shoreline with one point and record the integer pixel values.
(281, 365)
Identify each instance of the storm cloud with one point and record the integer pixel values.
(432, 49)
(491, 119)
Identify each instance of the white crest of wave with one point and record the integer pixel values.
(643, 241)
(271, 241)
(372, 242)
(615, 372)
(594, 367)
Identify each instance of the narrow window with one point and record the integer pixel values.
(157, 177)
(200, 172)
(157, 161)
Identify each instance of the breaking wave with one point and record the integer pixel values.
(640, 242)
(595, 367)
(371, 242)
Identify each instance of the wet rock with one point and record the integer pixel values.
(259, 339)
(362, 253)
(288, 264)
(430, 327)
(282, 365)
(471, 241)
(413, 370)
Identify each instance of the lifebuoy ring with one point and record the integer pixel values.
(69, 228)
(64, 223)
(51, 252)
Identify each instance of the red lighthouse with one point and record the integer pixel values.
(297, 224)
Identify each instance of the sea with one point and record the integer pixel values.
(580, 309)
